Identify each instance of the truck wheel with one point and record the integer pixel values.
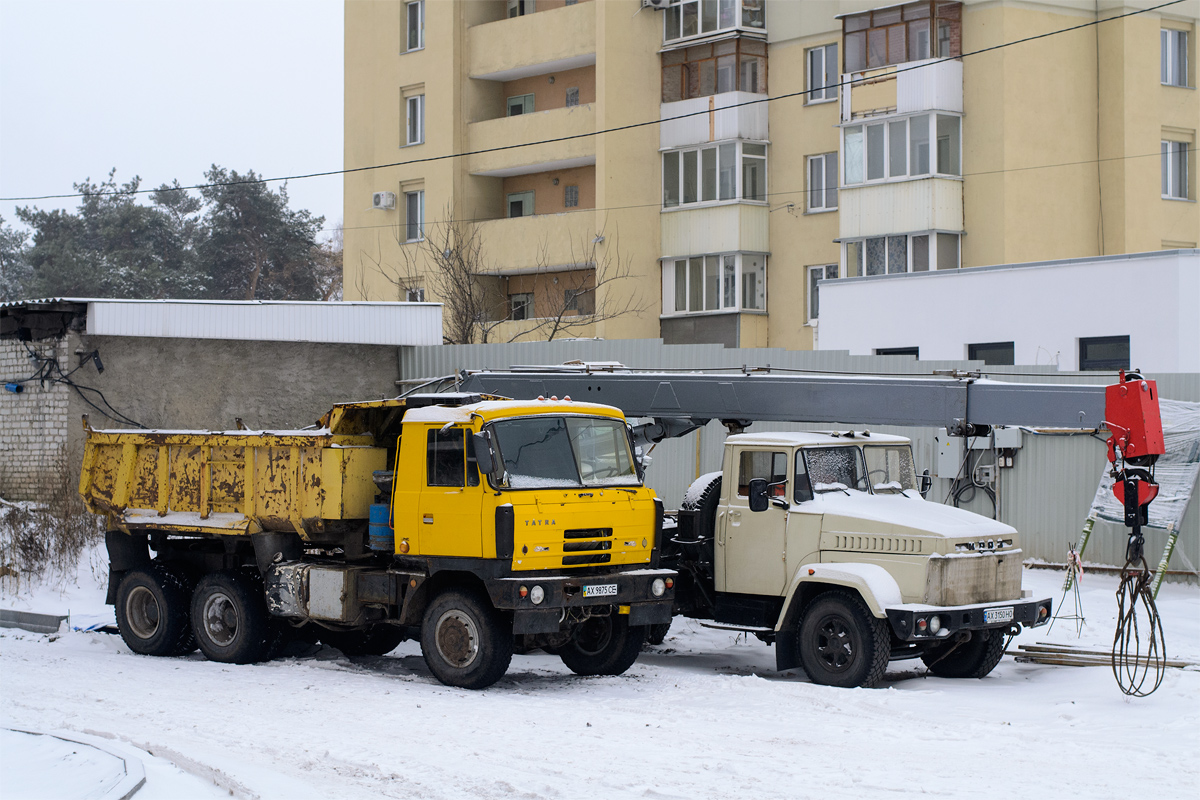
(230, 618)
(657, 634)
(702, 497)
(463, 640)
(603, 646)
(153, 612)
(375, 641)
(971, 659)
(841, 643)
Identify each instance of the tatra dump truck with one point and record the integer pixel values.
(481, 526)
(823, 543)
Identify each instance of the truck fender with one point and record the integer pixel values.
(126, 551)
(872, 582)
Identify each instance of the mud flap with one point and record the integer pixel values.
(787, 654)
(649, 613)
(537, 620)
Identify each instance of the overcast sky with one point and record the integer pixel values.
(164, 89)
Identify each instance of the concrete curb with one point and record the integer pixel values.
(29, 621)
(135, 773)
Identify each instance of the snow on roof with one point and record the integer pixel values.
(809, 438)
(491, 409)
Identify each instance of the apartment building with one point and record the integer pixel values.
(702, 164)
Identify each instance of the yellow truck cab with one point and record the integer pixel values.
(484, 527)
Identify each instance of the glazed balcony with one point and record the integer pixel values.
(935, 87)
(897, 207)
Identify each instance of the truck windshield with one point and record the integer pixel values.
(890, 468)
(549, 452)
(832, 469)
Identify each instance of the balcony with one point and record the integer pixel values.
(727, 228)
(721, 121)
(922, 204)
(546, 243)
(935, 87)
(540, 125)
(549, 41)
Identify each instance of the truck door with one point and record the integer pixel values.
(754, 547)
(451, 501)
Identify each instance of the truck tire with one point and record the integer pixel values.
(971, 659)
(841, 643)
(153, 612)
(464, 641)
(603, 646)
(702, 497)
(377, 640)
(657, 634)
(230, 618)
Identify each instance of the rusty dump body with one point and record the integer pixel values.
(314, 482)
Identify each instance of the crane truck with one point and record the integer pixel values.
(482, 527)
(823, 543)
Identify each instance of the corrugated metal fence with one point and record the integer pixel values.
(1046, 495)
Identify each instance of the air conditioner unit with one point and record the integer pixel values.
(659, 4)
(383, 200)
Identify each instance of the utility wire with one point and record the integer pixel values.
(617, 129)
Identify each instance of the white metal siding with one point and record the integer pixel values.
(935, 87)
(744, 122)
(901, 207)
(715, 229)
(333, 323)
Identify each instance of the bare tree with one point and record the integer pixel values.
(451, 264)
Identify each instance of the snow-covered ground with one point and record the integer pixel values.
(702, 716)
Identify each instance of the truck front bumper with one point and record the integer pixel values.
(915, 623)
(631, 593)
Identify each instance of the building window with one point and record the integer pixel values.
(686, 18)
(1175, 170)
(888, 255)
(571, 197)
(1104, 352)
(992, 353)
(1174, 57)
(520, 305)
(414, 295)
(519, 8)
(414, 23)
(711, 174)
(721, 282)
(897, 34)
(415, 119)
(815, 275)
(822, 73)
(521, 104)
(414, 216)
(899, 148)
(572, 97)
(915, 352)
(822, 182)
(520, 204)
(732, 65)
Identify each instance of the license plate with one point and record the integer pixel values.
(610, 590)
(991, 615)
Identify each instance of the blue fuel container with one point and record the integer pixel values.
(382, 538)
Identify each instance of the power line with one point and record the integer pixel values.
(617, 129)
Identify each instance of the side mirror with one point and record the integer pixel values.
(926, 483)
(483, 453)
(758, 495)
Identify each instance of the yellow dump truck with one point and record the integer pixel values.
(484, 527)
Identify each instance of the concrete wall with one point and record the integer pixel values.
(1043, 308)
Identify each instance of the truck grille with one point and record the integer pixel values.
(966, 580)
(587, 542)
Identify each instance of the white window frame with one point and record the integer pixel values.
(863, 129)
(727, 15)
(414, 109)
(525, 301)
(414, 294)
(740, 156)
(818, 190)
(820, 272)
(935, 243)
(414, 202)
(822, 82)
(724, 273)
(1174, 185)
(419, 7)
(526, 104)
(526, 198)
(1174, 66)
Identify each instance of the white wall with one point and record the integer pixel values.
(1044, 308)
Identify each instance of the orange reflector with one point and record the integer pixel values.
(523, 591)
(403, 546)
(669, 582)
(812, 572)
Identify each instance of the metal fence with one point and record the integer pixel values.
(1046, 495)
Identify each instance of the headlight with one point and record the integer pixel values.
(658, 587)
(537, 594)
(935, 624)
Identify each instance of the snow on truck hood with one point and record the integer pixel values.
(901, 511)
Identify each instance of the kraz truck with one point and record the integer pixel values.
(482, 527)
